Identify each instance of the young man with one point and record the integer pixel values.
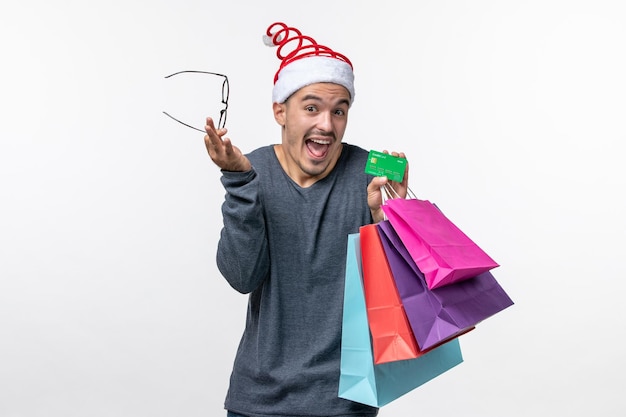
(288, 210)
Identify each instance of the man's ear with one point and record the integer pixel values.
(279, 113)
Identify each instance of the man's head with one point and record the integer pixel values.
(313, 91)
(305, 62)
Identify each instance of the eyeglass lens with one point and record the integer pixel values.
(225, 94)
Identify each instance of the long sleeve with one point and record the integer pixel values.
(242, 251)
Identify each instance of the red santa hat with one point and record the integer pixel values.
(305, 62)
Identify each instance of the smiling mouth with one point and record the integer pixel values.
(318, 148)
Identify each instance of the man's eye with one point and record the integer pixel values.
(340, 112)
(310, 108)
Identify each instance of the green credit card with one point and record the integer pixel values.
(385, 165)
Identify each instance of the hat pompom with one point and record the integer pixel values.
(267, 40)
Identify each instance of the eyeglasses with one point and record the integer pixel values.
(225, 91)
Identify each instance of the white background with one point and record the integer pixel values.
(512, 117)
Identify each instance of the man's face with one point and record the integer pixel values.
(314, 120)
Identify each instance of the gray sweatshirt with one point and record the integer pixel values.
(286, 246)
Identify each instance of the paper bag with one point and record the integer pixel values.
(392, 337)
(440, 249)
(442, 313)
(360, 379)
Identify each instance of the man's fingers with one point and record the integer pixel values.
(376, 183)
(227, 145)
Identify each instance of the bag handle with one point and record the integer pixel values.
(388, 192)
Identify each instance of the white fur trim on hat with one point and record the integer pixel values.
(311, 70)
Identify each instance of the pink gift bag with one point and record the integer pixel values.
(440, 249)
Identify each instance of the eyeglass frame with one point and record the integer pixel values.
(225, 88)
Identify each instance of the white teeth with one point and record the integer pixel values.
(321, 142)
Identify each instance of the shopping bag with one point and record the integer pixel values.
(392, 337)
(443, 252)
(441, 313)
(360, 379)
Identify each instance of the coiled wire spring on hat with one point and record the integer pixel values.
(301, 46)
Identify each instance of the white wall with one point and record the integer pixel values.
(511, 114)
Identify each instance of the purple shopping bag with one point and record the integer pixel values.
(442, 313)
(440, 249)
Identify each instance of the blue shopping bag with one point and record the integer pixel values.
(360, 379)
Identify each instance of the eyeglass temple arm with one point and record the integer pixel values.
(183, 123)
(197, 72)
